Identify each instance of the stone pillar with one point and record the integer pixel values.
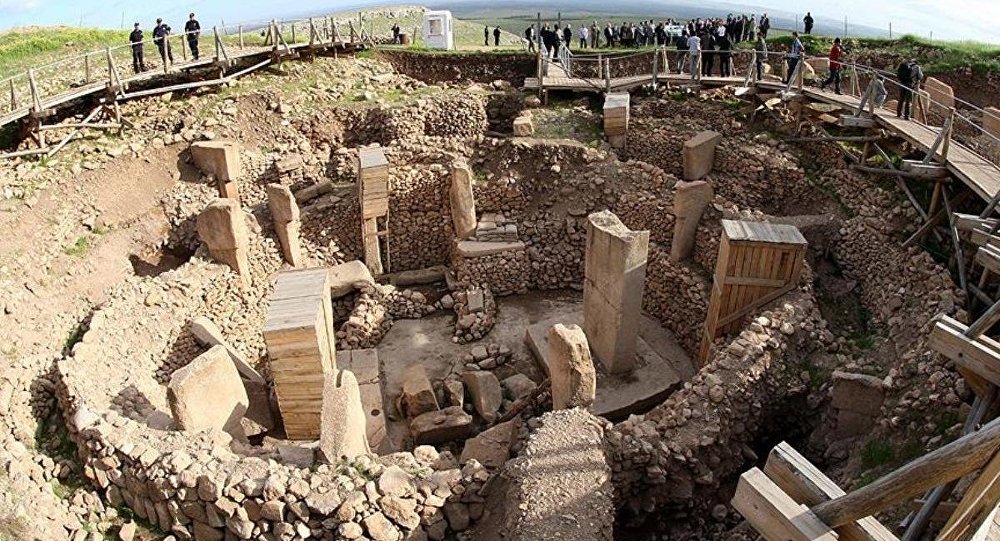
(690, 200)
(941, 94)
(343, 433)
(223, 228)
(615, 276)
(221, 160)
(285, 212)
(699, 155)
(574, 380)
(616, 116)
(373, 193)
(463, 203)
(991, 121)
(208, 394)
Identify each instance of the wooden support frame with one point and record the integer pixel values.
(774, 513)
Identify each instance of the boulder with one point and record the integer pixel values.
(208, 394)
(434, 427)
(485, 393)
(574, 380)
(417, 396)
(492, 447)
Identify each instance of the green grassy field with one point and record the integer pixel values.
(22, 48)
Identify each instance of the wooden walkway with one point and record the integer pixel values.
(978, 173)
(161, 82)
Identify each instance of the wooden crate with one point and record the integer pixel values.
(300, 341)
(373, 182)
(758, 262)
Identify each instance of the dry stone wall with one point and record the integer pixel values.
(455, 68)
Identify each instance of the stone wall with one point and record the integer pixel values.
(455, 67)
(676, 455)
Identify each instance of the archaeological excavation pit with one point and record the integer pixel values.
(431, 320)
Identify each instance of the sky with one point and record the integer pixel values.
(947, 19)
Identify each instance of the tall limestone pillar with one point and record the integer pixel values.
(221, 160)
(615, 277)
(690, 201)
(285, 213)
(222, 227)
(463, 203)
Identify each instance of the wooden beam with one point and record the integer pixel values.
(947, 463)
(979, 355)
(806, 484)
(925, 171)
(774, 514)
(989, 257)
(976, 505)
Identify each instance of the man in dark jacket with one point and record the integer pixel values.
(725, 54)
(496, 37)
(135, 38)
(486, 36)
(567, 35)
(161, 37)
(909, 74)
(193, 31)
(529, 35)
(808, 22)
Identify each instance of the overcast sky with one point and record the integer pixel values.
(949, 19)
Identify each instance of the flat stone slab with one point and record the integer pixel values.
(661, 366)
(344, 276)
(472, 248)
(364, 364)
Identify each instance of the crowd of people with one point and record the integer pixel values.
(161, 38)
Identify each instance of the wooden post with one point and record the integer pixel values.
(36, 102)
(184, 53)
(86, 67)
(293, 33)
(948, 129)
(607, 75)
(241, 36)
(13, 96)
(656, 59)
(274, 35)
(953, 461)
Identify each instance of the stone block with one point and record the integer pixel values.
(221, 159)
(448, 424)
(699, 154)
(574, 379)
(364, 364)
(343, 433)
(463, 202)
(472, 248)
(858, 393)
(491, 448)
(690, 201)
(614, 280)
(222, 227)
(485, 393)
(477, 300)
(851, 424)
(282, 203)
(519, 386)
(417, 396)
(260, 413)
(343, 277)
(208, 394)
(941, 95)
(208, 334)
(454, 391)
(991, 121)
(523, 126)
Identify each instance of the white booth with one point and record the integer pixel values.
(439, 30)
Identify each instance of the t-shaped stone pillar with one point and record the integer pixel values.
(615, 277)
(221, 159)
(222, 227)
(574, 381)
(463, 203)
(699, 155)
(285, 212)
(690, 200)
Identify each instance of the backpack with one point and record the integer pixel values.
(916, 74)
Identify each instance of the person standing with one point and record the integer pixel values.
(761, 48)
(567, 35)
(193, 31)
(529, 35)
(681, 42)
(765, 25)
(725, 54)
(609, 36)
(794, 55)
(496, 36)
(835, 53)
(909, 74)
(694, 55)
(584, 36)
(135, 39)
(486, 36)
(595, 36)
(708, 51)
(161, 37)
(808, 22)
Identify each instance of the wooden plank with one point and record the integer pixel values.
(989, 257)
(774, 514)
(979, 355)
(977, 504)
(806, 484)
(947, 463)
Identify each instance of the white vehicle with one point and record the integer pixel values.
(673, 30)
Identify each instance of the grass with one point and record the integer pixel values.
(78, 248)
(26, 47)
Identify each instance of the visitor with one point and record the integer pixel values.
(793, 56)
(609, 36)
(595, 36)
(161, 37)
(761, 48)
(765, 25)
(681, 42)
(909, 74)
(808, 21)
(193, 31)
(725, 54)
(496, 36)
(835, 53)
(881, 94)
(584, 36)
(135, 38)
(529, 35)
(707, 51)
(694, 55)
(486, 36)
(568, 36)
